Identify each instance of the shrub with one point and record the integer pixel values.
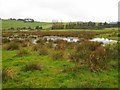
(23, 52)
(82, 50)
(32, 67)
(87, 45)
(98, 59)
(8, 73)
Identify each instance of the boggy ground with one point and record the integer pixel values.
(59, 64)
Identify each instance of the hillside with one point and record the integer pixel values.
(6, 24)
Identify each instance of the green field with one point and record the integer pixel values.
(6, 24)
(52, 76)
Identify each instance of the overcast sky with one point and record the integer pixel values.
(62, 10)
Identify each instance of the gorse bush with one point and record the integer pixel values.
(8, 73)
(32, 66)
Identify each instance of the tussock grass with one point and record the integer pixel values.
(23, 52)
(32, 66)
(11, 46)
(43, 51)
(98, 59)
(57, 55)
(8, 73)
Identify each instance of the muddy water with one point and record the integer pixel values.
(103, 40)
(68, 39)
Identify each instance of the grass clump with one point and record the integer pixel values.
(35, 47)
(23, 52)
(32, 66)
(75, 57)
(41, 41)
(57, 55)
(43, 51)
(8, 73)
(11, 46)
(98, 59)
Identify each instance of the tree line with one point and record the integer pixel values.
(24, 20)
(83, 25)
(26, 28)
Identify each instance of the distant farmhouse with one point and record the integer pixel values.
(28, 20)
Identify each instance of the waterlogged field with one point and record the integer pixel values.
(58, 63)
